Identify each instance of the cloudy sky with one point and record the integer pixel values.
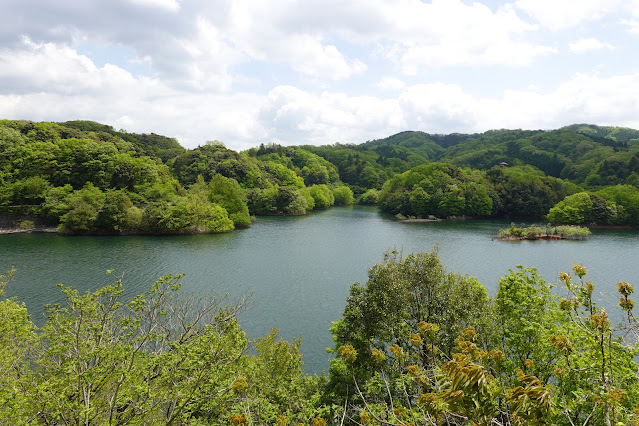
(319, 71)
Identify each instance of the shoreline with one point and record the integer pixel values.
(453, 218)
(38, 230)
(537, 238)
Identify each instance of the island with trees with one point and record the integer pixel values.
(547, 232)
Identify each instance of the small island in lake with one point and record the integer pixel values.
(548, 232)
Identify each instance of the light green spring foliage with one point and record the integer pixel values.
(45, 169)
(369, 197)
(90, 210)
(626, 197)
(526, 314)
(88, 178)
(416, 345)
(161, 358)
(596, 372)
(586, 208)
(322, 196)
(437, 189)
(284, 176)
(400, 293)
(288, 200)
(343, 196)
(576, 209)
(17, 340)
(525, 358)
(227, 193)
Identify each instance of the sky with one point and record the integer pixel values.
(295, 72)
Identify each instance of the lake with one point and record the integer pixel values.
(299, 269)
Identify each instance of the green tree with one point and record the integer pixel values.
(198, 214)
(399, 294)
(55, 204)
(283, 175)
(18, 339)
(416, 353)
(290, 200)
(526, 316)
(262, 201)
(30, 191)
(574, 209)
(371, 196)
(452, 204)
(315, 174)
(595, 376)
(420, 202)
(158, 359)
(229, 194)
(343, 196)
(84, 205)
(625, 196)
(118, 213)
(322, 195)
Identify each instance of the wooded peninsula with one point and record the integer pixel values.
(83, 177)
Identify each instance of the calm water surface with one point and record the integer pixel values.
(299, 269)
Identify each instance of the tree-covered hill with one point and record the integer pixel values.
(589, 155)
(618, 134)
(71, 173)
(85, 177)
(152, 144)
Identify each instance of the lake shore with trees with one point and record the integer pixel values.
(87, 178)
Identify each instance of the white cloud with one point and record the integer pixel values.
(391, 83)
(291, 115)
(632, 25)
(317, 60)
(433, 107)
(47, 67)
(584, 45)
(289, 37)
(294, 116)
(459, 53)
(200, 42)
(562, 14)
(451, 33)
(412, 33)
(170, 5)
(603, 100)
(582, 99)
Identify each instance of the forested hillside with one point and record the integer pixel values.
(86, 177)
(499, 173)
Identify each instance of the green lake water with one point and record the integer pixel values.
(299, 269)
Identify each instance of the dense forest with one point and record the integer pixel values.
(86, 177)
(416, 345)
